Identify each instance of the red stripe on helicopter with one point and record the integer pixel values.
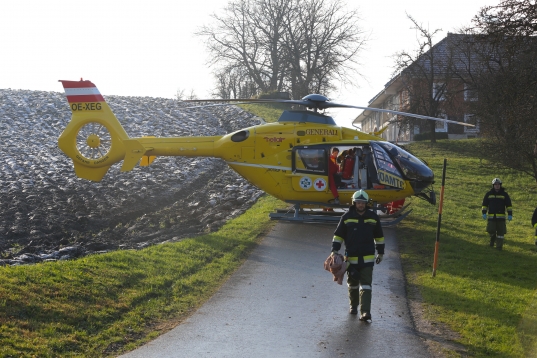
(81, 91)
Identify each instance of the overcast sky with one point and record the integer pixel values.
(148, 48)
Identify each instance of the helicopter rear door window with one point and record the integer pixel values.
(308, 160)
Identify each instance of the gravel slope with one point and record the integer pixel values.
(46, 212)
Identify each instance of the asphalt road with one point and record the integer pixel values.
(282, 303)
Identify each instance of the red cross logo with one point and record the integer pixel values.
(320, 184)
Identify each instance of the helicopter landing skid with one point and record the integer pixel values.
(296, 214)
(393, 222)
(395, 214)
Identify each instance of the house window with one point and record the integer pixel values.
(468, 118)
(441, 126)
(439, 88)
(470, 94)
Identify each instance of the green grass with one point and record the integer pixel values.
(487, 296)
(104, 304)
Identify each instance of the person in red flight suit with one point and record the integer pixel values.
(334, 179)
(348, 165)
(334, 154)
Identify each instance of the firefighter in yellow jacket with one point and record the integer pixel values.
(361, 231)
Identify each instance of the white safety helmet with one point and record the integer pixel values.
(496, 181)
(360, 195)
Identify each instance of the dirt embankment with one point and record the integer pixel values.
(46, 212)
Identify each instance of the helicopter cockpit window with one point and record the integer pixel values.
(310, 160)
(412, 167)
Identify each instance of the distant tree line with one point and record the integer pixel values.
(295, 46)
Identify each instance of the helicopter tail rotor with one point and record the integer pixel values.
(94, 138)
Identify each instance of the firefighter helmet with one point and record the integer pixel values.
(496, 181)
(360, 195)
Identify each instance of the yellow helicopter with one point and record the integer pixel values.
(292, 159)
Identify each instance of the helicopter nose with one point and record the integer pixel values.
(422, 179)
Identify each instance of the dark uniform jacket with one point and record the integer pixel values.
(496, 202)
(362, 235)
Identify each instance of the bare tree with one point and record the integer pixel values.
(504, 76)
(285, 45)
(182, 95)
(234, 83)
(247, 36)
(511, 18)
(427, 76)
(322, 42)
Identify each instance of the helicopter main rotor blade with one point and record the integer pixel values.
(409, 115)
(247, 101)
(316, 102)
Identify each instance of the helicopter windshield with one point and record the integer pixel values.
(412, 167)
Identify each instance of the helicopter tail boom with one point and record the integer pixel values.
(95, 140)
(137, 149)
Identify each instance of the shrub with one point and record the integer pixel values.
(427, 136)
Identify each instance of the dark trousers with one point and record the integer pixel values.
(496, 229)
(359, 281)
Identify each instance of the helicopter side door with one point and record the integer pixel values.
(310, 168)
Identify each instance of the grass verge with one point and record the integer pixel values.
(487, 296)
(105, 304)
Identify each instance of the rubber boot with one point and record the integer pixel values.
(365, 316)
(354, 298)
(499, 243)
(492, 240)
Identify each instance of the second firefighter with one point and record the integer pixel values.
(495, 203)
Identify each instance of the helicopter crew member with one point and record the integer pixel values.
(334, 178)
(347, 167)
(361, 231)
(496, 202)
(334, 155)
(534, 223)
(341, 156)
